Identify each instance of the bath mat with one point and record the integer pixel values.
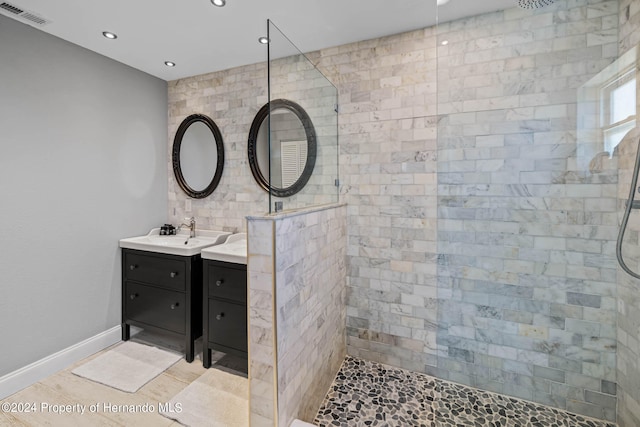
(128, 366)
(215, 399)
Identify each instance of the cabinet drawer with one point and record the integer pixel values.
(228, 324)
(168, 273)
(156, 307)
(228, 283)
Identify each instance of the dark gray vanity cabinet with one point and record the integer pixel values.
(162, 292)
(224, 309)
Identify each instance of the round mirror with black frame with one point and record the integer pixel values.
(198, 156)
(290, 162)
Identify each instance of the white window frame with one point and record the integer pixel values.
(610, 129)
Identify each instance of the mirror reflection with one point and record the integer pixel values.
(290, 163)
(198, 156)
(288, 148)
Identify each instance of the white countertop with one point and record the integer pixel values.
(178, 244)
(234, 250)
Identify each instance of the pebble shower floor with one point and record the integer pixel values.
(371, 394)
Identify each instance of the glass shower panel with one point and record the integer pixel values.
(527, 209)
(303, 129)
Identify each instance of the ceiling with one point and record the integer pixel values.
(202, 38)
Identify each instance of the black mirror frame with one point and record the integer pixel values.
(311, 147)
(177, 143)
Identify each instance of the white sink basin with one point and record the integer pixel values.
(179, 244)
(234, 250)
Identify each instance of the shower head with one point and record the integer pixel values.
(534, 4)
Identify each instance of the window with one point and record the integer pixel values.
(618, 109)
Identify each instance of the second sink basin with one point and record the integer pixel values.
(234, 250)
(179, 244)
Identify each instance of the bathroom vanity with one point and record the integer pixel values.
(162, 284)
(225, 299)
(163, 293)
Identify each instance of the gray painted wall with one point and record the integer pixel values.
(83, 164)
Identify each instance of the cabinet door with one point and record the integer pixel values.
(227, 283)
(228, 324)
(157, 270)
(156, 307)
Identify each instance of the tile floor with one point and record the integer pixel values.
(371, 394)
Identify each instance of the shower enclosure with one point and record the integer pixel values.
(530, 177)
(486, 252)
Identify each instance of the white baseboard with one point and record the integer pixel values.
(30, 374)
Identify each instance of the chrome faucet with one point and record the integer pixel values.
(191, 225)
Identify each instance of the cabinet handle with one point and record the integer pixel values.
(133, 267)
(173, 306)
(219, 316)
(134, 296)
(219, 282)
(173, 274)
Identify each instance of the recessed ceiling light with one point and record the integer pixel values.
(444, 42)
(441, 2)
(109, 35)
(263, 40)
(169, 64)
(218, 3)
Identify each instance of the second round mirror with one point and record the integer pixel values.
(286, 169)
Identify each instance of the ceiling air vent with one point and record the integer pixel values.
(18, 12)
(11, 8)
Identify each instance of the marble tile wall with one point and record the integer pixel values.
(628, 307)
(261, 327)
(527, 271)
(296, 261)
(629, 21)
(628, 326)
(311, 280)
(387, 92)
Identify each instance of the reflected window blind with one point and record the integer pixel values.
(293, 157)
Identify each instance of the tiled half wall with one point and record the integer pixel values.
(297, 338)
